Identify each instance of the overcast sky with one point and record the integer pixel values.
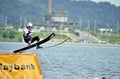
(116, 2)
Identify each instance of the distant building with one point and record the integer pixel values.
(105, 31)
(58, 18)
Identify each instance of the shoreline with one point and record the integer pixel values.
(84, 44)
(73, 43)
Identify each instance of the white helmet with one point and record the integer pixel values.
(29, 25)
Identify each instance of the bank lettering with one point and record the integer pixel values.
(12, 67)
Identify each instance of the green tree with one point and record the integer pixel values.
(12, 34)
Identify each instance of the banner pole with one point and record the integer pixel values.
(5, 77)
(24, 76)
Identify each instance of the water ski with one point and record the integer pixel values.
(35, 44)
(59, 43)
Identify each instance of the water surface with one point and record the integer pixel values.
(75, 61)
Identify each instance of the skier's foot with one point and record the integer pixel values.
(38, 47)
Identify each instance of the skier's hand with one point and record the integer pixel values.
(29, 43)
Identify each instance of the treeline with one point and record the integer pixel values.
(11, 36)
(103, 14)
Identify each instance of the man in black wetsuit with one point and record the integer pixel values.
(27, 35)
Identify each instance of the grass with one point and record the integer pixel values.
(11, 36)
(110, 38)
(14, 36)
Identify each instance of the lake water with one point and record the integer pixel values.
(75, 61)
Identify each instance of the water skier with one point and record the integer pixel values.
(27, 35)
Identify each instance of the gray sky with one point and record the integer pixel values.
(116, 2)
